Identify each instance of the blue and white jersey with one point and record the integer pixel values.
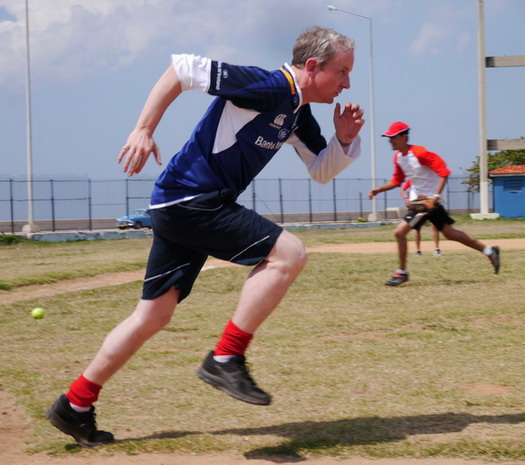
(255, 113)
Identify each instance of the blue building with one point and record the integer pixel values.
(509, 191)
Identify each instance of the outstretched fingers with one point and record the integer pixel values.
(135, 156)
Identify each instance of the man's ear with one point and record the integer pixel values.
(311, 65)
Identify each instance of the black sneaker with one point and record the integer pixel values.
(233, 378)
(419, 253)
(397, 279)
(494, 258)
(82, 426)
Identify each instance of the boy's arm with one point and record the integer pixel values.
(140, 143)
(385, 187)
(441, 185)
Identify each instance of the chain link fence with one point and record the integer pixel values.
(86, 204)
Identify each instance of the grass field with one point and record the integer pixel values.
(433, 368)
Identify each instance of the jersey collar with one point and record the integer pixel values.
(297, 95)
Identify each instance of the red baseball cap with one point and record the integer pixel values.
(396, 128)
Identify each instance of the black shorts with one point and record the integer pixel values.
(439, 218)
(185, 234)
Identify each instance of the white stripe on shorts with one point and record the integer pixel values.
(251, 245)
(165, 273)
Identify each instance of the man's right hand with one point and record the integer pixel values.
(139, 146)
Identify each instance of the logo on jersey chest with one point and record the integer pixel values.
(266, 144)
(278, 121)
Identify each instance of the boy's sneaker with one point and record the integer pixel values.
(233, 378)
(419, 253)
(437, 253)
(82, 426)
(397, 279)
(494, 258)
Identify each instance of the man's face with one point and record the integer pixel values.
(333, 77)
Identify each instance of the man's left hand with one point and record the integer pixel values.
(349, 122)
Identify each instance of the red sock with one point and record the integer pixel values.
(234, 341)
(83, 392)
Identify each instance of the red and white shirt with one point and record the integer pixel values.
(422, 168)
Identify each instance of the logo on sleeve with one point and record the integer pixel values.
(218, 76)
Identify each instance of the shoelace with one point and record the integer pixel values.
(244, 373)
(89, 419)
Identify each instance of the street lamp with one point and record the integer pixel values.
(30, 227)
(373, 216)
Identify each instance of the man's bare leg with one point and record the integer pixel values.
(149, 317)
(268, 282)
(73, 413)
(262, 291)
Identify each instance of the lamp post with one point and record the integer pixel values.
(373, 216)
(30, 227)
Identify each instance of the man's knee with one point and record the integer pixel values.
(290, 251)
(156, 313)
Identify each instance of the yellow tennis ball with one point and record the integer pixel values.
(37, 313)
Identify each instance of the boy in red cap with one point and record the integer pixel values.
(428, 173)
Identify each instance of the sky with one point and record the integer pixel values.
(93, 63)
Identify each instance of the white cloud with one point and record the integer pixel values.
(430, 40)
(76, 38)
(444, 32)
(71, 39)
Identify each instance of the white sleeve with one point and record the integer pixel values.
(330, 161)
(193, 71)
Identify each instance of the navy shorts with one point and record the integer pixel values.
(185, 234)
(439, 218)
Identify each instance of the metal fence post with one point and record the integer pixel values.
(334, 195)
(127, 196)
(11, 204)
(90, 213)
(360, 204)
(53, 216)
(281, 199)
(310, 200)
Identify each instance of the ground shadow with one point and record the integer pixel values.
(314, 435)
(361, 431)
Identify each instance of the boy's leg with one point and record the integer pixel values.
(401, 275)
(454, 234)
(492, 253)
(400, 233)
(417, 241)
(435, 233)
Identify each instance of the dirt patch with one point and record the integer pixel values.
(113, 279)
(35, 291)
